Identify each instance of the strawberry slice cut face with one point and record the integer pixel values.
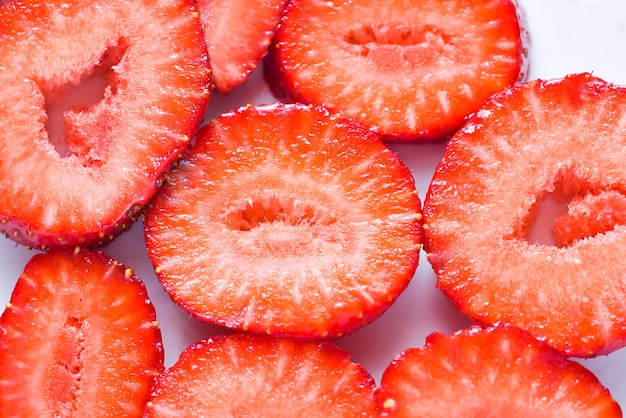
(78, 338)
(97, 99)
(491, 372)
(248, 25)
(258, 375)
(409, 69)
(563, 139)
(284, 219)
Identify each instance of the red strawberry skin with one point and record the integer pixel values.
(491, 372)
(78, 338)
(259, 375)
(83, 176)
(287, 220)
(561, 137)
(411, 70)
(248, 25)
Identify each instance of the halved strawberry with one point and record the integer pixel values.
(259, 375)
(409, 69)
(565, 138)
(500, 371)
(238, 34)
(97, 99)
(78, 338)
(288, 220)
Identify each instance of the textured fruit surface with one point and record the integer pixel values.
(238, 34)
(409, 69)
(500, 371)
(563, 139)
(284, 219)
(97, 99)
(78, 338)
(257, 375)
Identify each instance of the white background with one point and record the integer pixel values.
(567, 36)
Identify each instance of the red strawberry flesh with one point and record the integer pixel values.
(78, 338)
(255, 375)
(287, 220)
(82, 176)
(563, 137)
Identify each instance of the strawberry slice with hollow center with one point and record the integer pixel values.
(409, 69)
(258, 375)
(79, 337)
(238, 34)
(563, 138)
(97, 99)
(287, 220)
(501, 371)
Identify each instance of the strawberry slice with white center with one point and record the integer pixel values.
(79, 166)
(79, 338)
(238, 34)
(501, 371)
(410, 69)
(246, 375)
(285, 219)
(563, 139)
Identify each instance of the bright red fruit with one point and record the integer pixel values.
(288, 220)
(78, 338)
(565, 139)
(258, 375)
(410, 69)
(97, 99)
(238, 34)
(500, 371)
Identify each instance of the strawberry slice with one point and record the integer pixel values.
(259, 375)
(97, 99)
(409, 69)
(500, 371)
(285, 219)
(564, 138)
(238, 34)
(78, 338)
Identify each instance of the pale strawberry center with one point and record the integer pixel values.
(390, 45)
(251, 214)
(71, 109)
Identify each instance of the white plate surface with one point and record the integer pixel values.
(567, 36)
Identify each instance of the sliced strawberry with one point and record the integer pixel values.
(287, 220)
(501, 371)
(78, 165)
(78, 338)
(409, 69)
(565, 137)
(245, 375)
(238, 34)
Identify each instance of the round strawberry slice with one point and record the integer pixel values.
(97, 99)
(562, 139)
(79, 338)
(501, 371)
(410, 69)
(288, 220)
(246, 375)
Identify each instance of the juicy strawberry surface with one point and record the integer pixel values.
(285, 219)
(97, 99)
(500, 371)
(561, 137)
(238, 34)
(78, 338)
(258, 375)
(409, 69)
